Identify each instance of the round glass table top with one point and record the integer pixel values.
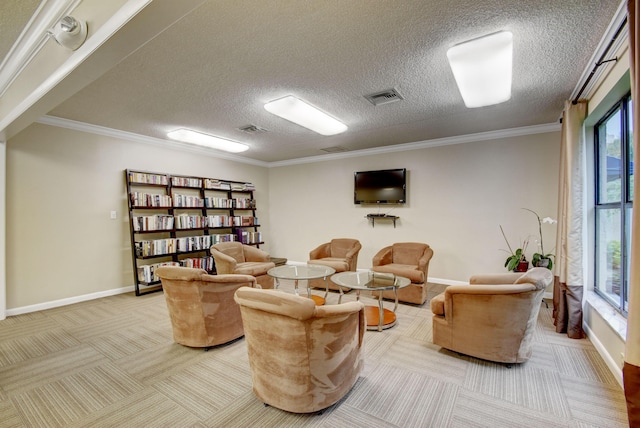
(300, 271)
(363, 281)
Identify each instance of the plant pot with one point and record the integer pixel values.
(543, 263)
(522, 266)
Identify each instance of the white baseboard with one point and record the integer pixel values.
(67, 301)
(609, 361)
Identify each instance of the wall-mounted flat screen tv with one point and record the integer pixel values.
(387, 186)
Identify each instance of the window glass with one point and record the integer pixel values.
(610, 160)
(609, 253)
(614, 203)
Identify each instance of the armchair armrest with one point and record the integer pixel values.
(423, 262)
(356, 248)
(320, 252)
(383, 257)
(252, 254)
(345, 309)
(496, 278)
(229, 278)
(224, 263)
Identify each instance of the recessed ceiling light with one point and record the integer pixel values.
(206, 140)
(482, 69)
(303, 114)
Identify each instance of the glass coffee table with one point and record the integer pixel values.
(303, 272)
(378, 318)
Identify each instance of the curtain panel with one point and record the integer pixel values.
(631, 369)
(569, 279)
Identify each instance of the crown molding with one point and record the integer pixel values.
(138, 138)
(446, 141)
(461, 139)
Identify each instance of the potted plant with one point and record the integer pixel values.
(517, 261)
(542, 259)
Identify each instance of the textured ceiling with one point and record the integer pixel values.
(213, 70)
(14, 15)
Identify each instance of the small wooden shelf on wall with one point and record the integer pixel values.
(374, 217)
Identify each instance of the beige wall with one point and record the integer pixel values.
(458, 195)
(61, 187)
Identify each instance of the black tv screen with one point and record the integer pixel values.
(388, 186)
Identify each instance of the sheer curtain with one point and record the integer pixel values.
(569, 279)
(631, 369)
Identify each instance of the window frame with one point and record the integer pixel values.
(624, 205)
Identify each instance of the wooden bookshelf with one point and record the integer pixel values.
(175, 219)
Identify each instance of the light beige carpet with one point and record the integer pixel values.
(112, 362)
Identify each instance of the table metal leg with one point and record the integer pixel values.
(295, 287)
(326, 288)
(380, 311)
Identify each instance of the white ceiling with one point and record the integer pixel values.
(214, 69)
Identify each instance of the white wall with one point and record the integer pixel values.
(62, 185)
(458, 195)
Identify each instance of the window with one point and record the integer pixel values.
(614, 203)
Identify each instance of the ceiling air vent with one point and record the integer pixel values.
(384, 97)
(334, 149)
(252, 129)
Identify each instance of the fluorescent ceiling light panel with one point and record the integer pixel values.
(206, 140)
(482, 68)
(301, 113)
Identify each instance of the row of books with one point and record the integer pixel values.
(205, 263)
(245, 220)
(210, 183)
(242, 187)
(186, 182)
(140, 199)
(247, 237)
(146, 178)
(159, 247)
(152, 222)
(147, 273)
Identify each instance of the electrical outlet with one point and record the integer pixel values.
(114, 215)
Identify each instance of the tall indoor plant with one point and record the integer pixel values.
(517, 261)
(542, 259)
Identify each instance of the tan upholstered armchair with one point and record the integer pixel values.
(340, 254)
(410, 260)
(201, 306)
(493, 318)
(237, 258)
(303, 357)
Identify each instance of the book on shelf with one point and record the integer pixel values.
(147, 178)
(141, 199)
(205, 263)
(190, 221)
(186, 182)
(187, 201)
(146, 273)
(219, 221)
(211, 202)
(244, 203)
(148, 223)
(211, 183)
(248, 237)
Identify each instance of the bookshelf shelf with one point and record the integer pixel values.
(165, 203)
